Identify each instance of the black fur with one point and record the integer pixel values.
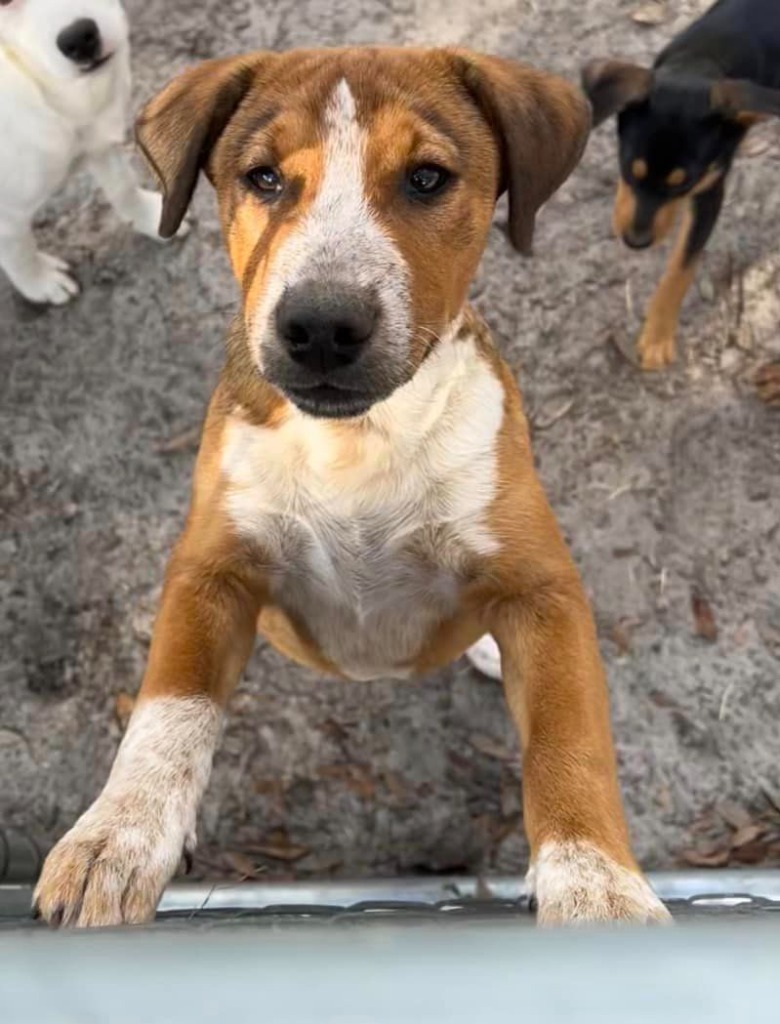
(692, 117)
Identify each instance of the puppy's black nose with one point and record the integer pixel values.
(326, 329)
(80, 42)
(638, 238)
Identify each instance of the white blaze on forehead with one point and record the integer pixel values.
(339, 239)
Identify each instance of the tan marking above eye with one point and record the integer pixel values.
(639, 169)
(677, 177)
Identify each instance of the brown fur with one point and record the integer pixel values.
(495, 122)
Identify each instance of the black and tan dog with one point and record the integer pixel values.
(365, 493)
(679, 126)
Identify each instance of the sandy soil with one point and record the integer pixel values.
(667, 486)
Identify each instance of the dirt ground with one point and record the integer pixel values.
(668, 488)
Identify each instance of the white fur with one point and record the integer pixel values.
(115, 862)
(485, 656)
(369, 525)
(576, 883)
(340, 239)
(53, 115)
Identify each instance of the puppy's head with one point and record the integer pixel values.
(356, 189)
(64, 38)
(677, 137)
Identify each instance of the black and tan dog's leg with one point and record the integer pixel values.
(656, 346)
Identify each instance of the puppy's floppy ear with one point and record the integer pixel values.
(179, 128)
(744, 101)
(541, 125)
(612, 85)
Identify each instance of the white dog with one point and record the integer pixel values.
(64, 98)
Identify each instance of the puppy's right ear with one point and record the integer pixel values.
(179, 128)
(611, 85)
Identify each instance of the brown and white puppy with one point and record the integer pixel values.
(365, 493)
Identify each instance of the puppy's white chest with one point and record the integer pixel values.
(368, 530)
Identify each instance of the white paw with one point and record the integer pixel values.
(485, 656)
(148, 214)
(575, 883)
(49, 282)
(112, 867)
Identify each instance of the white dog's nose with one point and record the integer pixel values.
(80, 42)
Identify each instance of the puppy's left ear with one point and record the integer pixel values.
(744, 101)
(541, 124)
(179, 128)
(613, 85)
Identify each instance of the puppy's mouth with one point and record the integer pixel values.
(96, 65)
(327, 401)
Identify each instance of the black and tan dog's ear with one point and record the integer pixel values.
(541, 123)
(612, 85)
(744, 101)
(179, 128)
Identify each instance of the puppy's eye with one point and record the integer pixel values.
(266, 181)
(427, 180)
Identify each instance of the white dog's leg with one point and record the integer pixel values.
(112, 170)
(38, 276)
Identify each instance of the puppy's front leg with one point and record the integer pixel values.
(657, 344)
(137, 206)
(582, 869)
(113, 865)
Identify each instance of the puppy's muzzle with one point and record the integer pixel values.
(325, 331)
(81, 42)
(327, 354)
(638, 237)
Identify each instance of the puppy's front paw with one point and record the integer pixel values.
(575, 883)
(111, 868)
(49, 282)
(148, 214)
(656, 347)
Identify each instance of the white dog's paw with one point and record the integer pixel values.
(49, 282)
(485, 656)
(111, 868)
(575, 883)
(148, 214)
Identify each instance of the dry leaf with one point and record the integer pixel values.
(279, 847)
(241, 864)
(397, 786)
(286, 853)
(663, 700)
(354, 776)
(746, 835)
(704, 617)
(734, 814)
(123, 708)
(768, 383)
(180, 443)
(756, 143)
(621, 635)
(653, 13)
(491, 747)
(751, 853)
(716, 859)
